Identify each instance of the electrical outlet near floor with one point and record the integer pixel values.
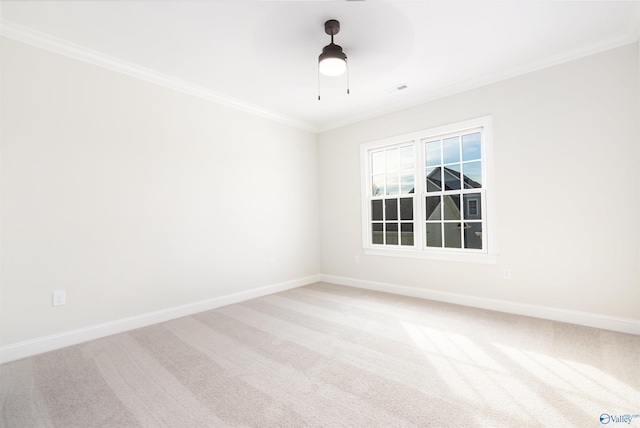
(506, 274)
(59, 298)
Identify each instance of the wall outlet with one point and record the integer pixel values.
(272, 263)
(356, 259)
(59, 298)
(506, 274)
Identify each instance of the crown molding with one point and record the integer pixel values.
(486, 80)
(44, 41)
(63, 47)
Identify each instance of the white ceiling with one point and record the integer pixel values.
(262, 55)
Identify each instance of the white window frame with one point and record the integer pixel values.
(488, 254)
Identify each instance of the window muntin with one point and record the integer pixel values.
(392, 196)
(427, 196)
(453, 171)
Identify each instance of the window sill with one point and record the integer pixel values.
(434, 255)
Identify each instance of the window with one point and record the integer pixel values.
(425, 194)
(392, 188)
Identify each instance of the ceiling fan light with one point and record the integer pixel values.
(332, 61)
(332, 66)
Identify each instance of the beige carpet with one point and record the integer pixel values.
(331, 356)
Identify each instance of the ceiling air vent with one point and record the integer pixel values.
(396, 88)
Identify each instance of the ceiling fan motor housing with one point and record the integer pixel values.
(332, 51)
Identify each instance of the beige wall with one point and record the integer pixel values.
(135, 198)
(566, 151)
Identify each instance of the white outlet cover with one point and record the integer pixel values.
(59, 298)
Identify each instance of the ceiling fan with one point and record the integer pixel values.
(332, 61)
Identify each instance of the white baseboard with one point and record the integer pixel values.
(32, 347)
(623, 325)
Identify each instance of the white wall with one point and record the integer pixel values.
(566, 152)
(135, 198)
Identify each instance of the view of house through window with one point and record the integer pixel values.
(427, 192)
(453, 174)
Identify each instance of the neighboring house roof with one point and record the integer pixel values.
(453, 175)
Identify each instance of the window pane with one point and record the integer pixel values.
(432, 152)
(434, 180)
(473, 235)
(377, 163)
(390, 209)
(393, 160)
(406, 209)
(377, 185)
(376, 210)
(452, 235)
(433, 208)
(471, 147)
(392, 233)
(406, 158)
(472, 206)
(406, 234)
(393, 187)
(452, 177)
(434, 235)
(472, 175)
(406, 184)
(376, 233)
(451, 150)
(451, 207)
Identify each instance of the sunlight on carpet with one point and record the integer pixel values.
(331, 356)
